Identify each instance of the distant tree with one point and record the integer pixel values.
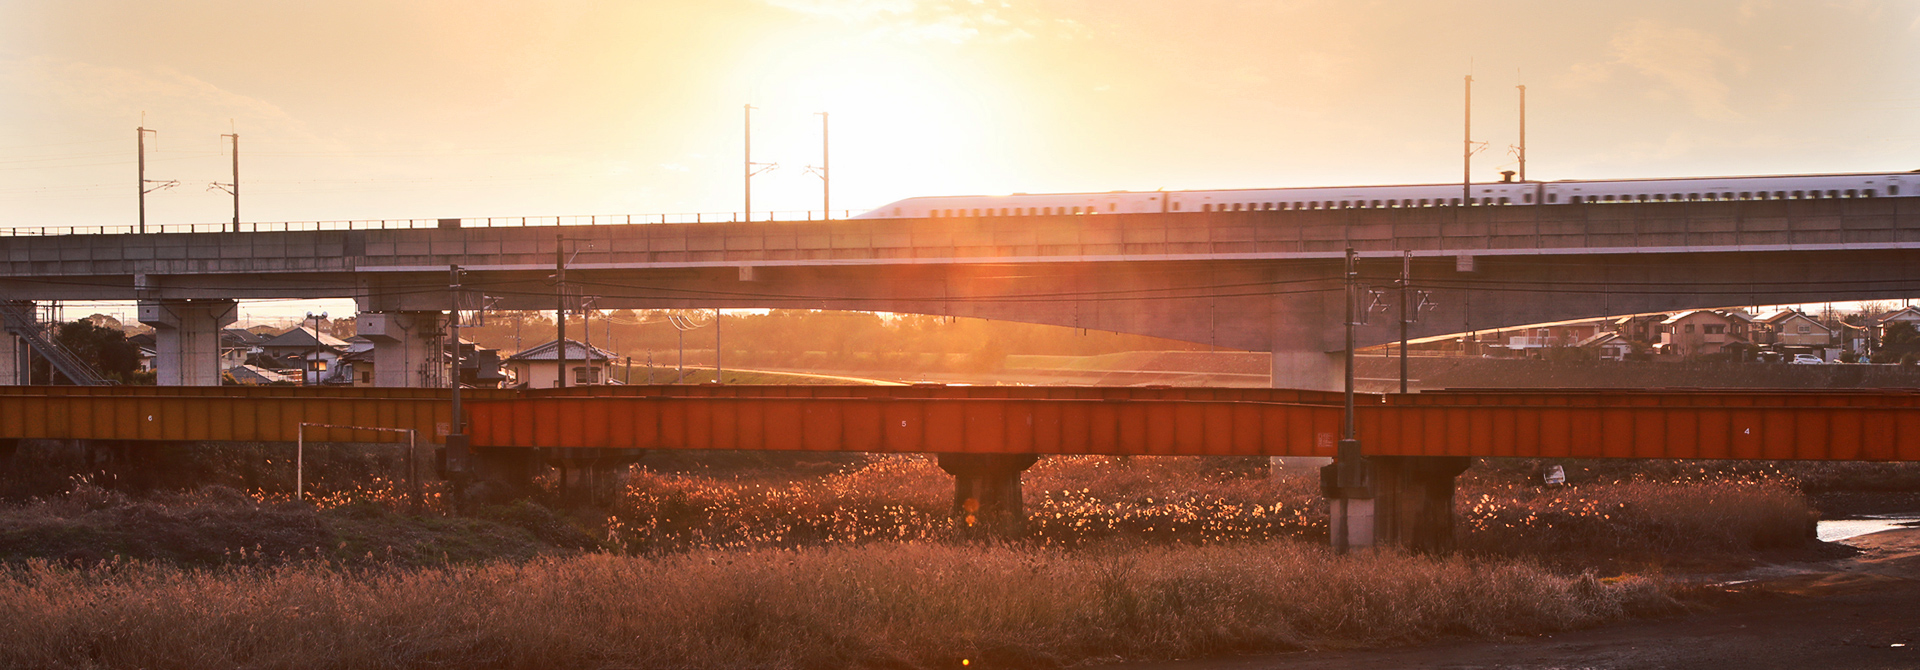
(105, 349)
(1900, 333)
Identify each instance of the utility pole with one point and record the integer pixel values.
(234, 188)
(586, 328)
(719, 372)
(826, 192)
(750, 165)
(141, 143)
(560, 308)
(1523, 131)
(1349, 476)
(455, 426)
(1406, 275)
(1466, 178)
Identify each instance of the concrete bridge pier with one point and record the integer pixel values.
(13, 360)
(186, 337)
(1373, 501)
(986, 492)
(409, 348)
(1413, 501)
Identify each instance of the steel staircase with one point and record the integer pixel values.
(19, 319)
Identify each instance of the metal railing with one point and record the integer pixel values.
(406, 224)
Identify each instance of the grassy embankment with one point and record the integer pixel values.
(1147, 558)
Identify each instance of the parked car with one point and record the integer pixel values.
(1806, 359)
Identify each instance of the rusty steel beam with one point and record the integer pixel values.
(1557, 423)
(260, 418)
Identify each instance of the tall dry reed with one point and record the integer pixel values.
(897, 606)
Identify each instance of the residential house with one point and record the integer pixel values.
(537, 367)
(1793, 328)
(303, 348)
(1640, 328)
(1553, 335)
(1607, 346)
(236, 345)
(1701, 332)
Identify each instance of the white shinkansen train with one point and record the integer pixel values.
(1783, 187)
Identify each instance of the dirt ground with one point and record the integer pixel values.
(1858, 612)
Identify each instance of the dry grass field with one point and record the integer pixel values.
(1141, 558)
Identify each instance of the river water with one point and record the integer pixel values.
(1840, 530)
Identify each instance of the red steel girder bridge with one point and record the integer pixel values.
(1672, 423)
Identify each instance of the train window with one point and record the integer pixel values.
(1779, 195)
(1745, 195)
(1835, 193)
(1423, 202)
(1553, 197)
(1076, 210)
(1608, 198)
(1112, 207)
(1852, 193)
(1207, 207)
(1893, 189)
(1176, 207)
(1505, 200)
(1693, 196)
(1866, 193)
(1453, 201)
(1526, 198)
(1576, 200)
(1376, 203)
(1345, 204)
(1238, 206)
(1799, 194)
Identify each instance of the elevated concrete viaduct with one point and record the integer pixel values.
(1266, 280)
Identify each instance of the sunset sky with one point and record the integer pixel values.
(430, 109)
(363, 110)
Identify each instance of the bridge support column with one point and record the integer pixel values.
(13, 360)
(408, 348)
(1306, 338)
(186, 337)
(1413, 501)
(986, 492)
(501, 474)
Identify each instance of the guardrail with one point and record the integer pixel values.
(406, 224)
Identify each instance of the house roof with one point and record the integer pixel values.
(241, 336)
(304, 336)
(253, 374)
(1683, 315)
(546, 351)
(1597, 339)
(1785, 315)
(1909, 313)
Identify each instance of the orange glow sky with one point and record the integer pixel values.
(362, 109)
